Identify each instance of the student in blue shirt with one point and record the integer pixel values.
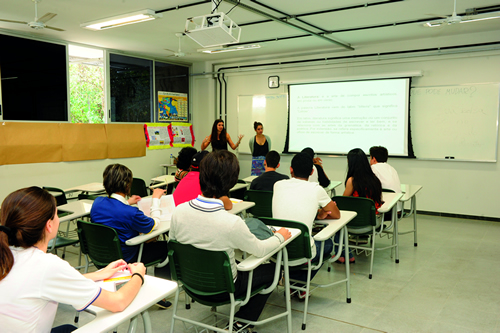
(116, 211)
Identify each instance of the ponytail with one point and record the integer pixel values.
(23, 216)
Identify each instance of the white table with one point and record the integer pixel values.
(390, 203)
(240, 207)
(409, 193)
(168, 166)
(238, 186)
(153, 290)
(76, 209)
(249, 179)
(252, 262)
(331, 188)
(87, 188)
(162, 181)
(333, 226)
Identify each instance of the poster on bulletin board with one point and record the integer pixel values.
(172, 106)
(181, 134)
(157, 136)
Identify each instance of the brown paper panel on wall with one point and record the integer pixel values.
(83, 142)
(31, 143)
(125, 140)
(2, 145)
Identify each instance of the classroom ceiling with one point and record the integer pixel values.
(360, 24)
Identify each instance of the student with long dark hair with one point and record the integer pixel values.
(361, 182)
(219, 138)
(33, 282)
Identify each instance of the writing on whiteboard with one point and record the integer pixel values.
(460, 90)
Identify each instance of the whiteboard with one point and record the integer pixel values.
(271, 111)
(459, 121)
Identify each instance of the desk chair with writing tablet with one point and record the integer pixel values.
(263, 203)
(367, 223)
(101, 244)
(61, 240)
(300, 248)
(204, 273)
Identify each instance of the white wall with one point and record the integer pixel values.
(469, 188)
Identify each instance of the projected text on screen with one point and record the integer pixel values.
(338, 116)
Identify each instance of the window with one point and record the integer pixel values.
(131, 84)
(86, 85)
(170, 78)
(33, 80)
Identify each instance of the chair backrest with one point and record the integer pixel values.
(300, 247)
(99, 242)
(239, 194)
(388, 190)
(201, 272)
(60, 195)
(364, 207)
(139, 187)
(263, 203)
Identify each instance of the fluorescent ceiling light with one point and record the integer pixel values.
(433, 24)
(481, 19)
(120, 20)
(230, 48)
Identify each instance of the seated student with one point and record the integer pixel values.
(184, 162)
(205, 224)
(116, 212)
(33, 282)
(361, 182)
(265, 182)
(297, 199)
(387, 175)
(318, 175)
(189, 187)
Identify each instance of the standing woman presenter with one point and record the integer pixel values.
(220, 138)
(260, 145)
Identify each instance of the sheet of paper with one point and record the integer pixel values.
(166, 206)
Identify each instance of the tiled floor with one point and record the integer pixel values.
(449, 283)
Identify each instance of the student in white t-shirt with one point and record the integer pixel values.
(297, 199)
(33, 282)
(387, 175)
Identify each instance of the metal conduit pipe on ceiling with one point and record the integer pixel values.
(447, 50)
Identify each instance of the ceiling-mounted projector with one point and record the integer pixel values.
(212, 30)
